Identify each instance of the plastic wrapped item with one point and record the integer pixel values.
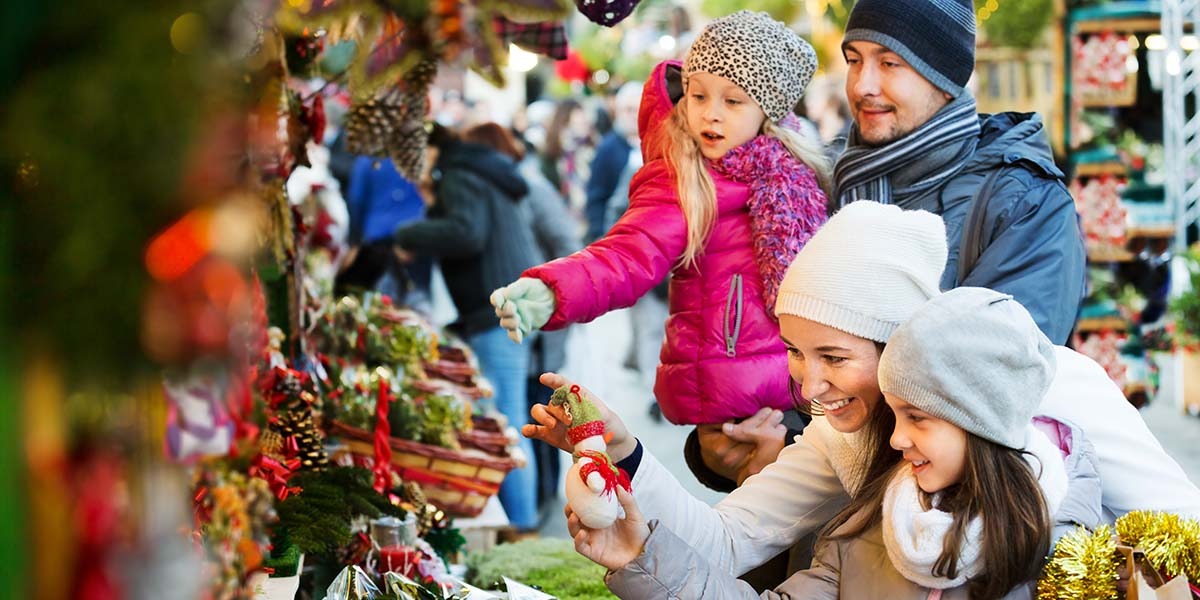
(352, 584)
(406, 588)
(520, 591)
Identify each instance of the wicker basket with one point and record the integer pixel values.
(459, 481)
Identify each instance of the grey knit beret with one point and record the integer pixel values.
(867, 270)
(975, 358)
(758, 53)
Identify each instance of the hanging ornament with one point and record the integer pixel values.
(528, 11)
(606, 12)
(393, 123)
(407, 148)
(547, 39)
(372, 123)
(487, 54)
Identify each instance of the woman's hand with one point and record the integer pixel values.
(620, 543)
(550, 426)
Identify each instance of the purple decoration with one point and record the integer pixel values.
(606, 12)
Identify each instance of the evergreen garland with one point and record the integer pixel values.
(317, 520)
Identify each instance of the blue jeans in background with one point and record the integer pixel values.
(506, 366)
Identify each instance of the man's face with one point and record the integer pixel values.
(625, 118)
(888, 98)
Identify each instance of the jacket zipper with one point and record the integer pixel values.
(731, 335)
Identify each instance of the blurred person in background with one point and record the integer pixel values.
(554, 232)
(826, 106)
(617, 157)
(482, 237)
(567, 152)
(379, 200)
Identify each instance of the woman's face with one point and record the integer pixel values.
(836, 369)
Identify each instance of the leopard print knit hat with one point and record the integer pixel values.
(759, 54)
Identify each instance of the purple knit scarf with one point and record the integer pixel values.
(786, 205)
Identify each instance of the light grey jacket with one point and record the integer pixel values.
(849, 569)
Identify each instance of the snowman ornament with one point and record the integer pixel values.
(592, 479)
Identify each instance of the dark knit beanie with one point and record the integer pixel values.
(936, 37)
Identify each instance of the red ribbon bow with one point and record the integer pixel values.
(602, 464)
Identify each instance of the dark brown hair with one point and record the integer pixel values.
(496, 137)
(998, 486)
(558, 124)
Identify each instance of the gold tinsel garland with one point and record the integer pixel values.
(1171, 543)
(1084, 567)
(1084, 564)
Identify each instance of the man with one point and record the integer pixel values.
(917, 142)
(617, 158)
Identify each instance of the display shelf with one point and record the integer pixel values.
(1108, 254)
(1152, 231)
(1097, 169)
(1128, 15)
(1112, 323)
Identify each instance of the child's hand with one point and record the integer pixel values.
(522, 306)
(766, 431)
(616, 546)
(551, 428)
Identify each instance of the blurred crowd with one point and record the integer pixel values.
(493, 200)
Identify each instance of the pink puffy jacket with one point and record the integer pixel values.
(722, 358)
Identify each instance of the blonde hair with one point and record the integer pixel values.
(698, 194)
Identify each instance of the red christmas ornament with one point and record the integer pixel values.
(572, 68)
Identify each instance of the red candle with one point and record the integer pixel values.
(399, 559)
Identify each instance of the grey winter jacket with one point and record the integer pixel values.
(1032, 244)
(844, 569)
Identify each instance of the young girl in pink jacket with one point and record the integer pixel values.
(728, 195)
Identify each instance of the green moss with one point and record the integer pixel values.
(549, 563)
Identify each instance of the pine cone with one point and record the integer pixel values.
(371, 124)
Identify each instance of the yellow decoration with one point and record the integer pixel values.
(1084, 564)
(1171, 543)
(1084, 567)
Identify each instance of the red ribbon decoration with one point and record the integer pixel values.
(601, 463)
(276, 474)
(383, 433)
(579, 433)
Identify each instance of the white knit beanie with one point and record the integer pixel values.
(975, 358)
(868, 269)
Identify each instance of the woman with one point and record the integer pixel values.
(840, 301)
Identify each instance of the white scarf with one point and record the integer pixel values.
(914, 536)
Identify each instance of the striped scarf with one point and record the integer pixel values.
(903, 170)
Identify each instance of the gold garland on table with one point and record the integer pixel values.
(1171, 543)
(1083, 567)
(1084, 564)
